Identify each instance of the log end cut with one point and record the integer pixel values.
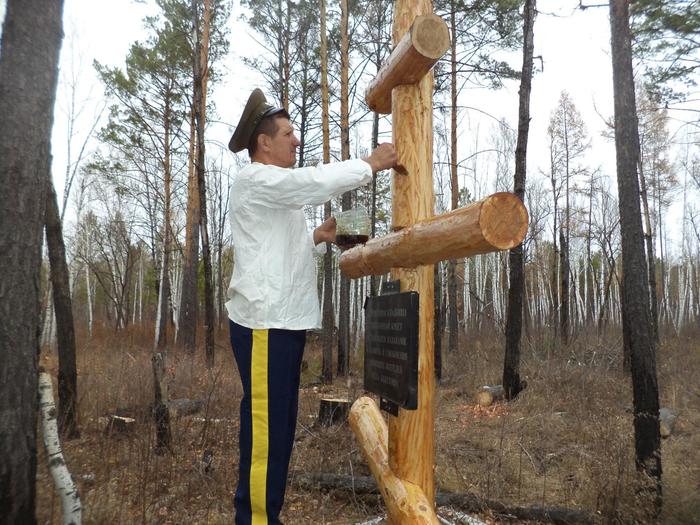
(503, 220)
(430, 36)
(487, 395)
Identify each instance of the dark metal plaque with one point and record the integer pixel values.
(391, 348)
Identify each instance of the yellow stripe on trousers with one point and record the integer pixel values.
(258, 464)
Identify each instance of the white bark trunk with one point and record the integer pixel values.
(89, 298)
(65, 486)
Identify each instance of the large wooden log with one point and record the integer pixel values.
(487, 395)
(412, 434)
(498, 222)
(426, 42)
(405, 501)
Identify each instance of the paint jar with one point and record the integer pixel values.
(352, 228)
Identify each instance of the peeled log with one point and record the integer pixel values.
(487, 395)
(406, 504)
(417, 52)
(498, 222)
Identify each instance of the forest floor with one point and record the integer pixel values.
(567, 441)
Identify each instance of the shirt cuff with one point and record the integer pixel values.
(320, 249)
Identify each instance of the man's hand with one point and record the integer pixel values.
(325, 232)
(382, 158)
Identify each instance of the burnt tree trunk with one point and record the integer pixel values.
(452, 321)
(635, 296)
(438, 322)
(189, 295)
(31, 39)
(161, 414)
(65, 328)
(651, 263)
(514, 316)
(328, 315)
(346, 200)
(373, 214)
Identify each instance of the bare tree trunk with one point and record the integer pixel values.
(514, 321)
(31, 39)
(189, 298)
(651, 264)
(201, 74)
(160, 407)
(564, 286)
(65, 328)
(163, 317)
(438, 324)
(328, 315)
(346, 200)
(375, 143)
(635, 296)
(452, 328)
(63, 481)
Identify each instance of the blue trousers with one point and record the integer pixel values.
(269, 363)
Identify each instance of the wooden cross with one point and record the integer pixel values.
(401, 455)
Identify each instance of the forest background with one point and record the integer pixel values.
(124, 151)
(572, 77)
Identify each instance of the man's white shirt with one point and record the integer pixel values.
(274, 274)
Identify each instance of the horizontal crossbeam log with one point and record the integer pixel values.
(498, 222)
(416, 53)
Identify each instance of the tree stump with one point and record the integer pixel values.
(487, 395)
(117, 424)
(332, 411)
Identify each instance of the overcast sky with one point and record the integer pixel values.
(574, 46)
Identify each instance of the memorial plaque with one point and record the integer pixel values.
(391, 348)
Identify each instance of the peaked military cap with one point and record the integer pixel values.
(255, 110)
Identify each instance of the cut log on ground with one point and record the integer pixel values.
(488, 395)
(498, 222)
(332, 411)
(114, 425)
(65, 486)
(417, 52)
(406, 504)
(464, 501)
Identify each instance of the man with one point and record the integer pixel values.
(273, 297)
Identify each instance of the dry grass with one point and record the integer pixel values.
(567, 440)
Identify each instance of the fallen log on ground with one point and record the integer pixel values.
(114, 425)
(465, 502)
(488, 395)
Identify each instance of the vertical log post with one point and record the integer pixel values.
(411, 434)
